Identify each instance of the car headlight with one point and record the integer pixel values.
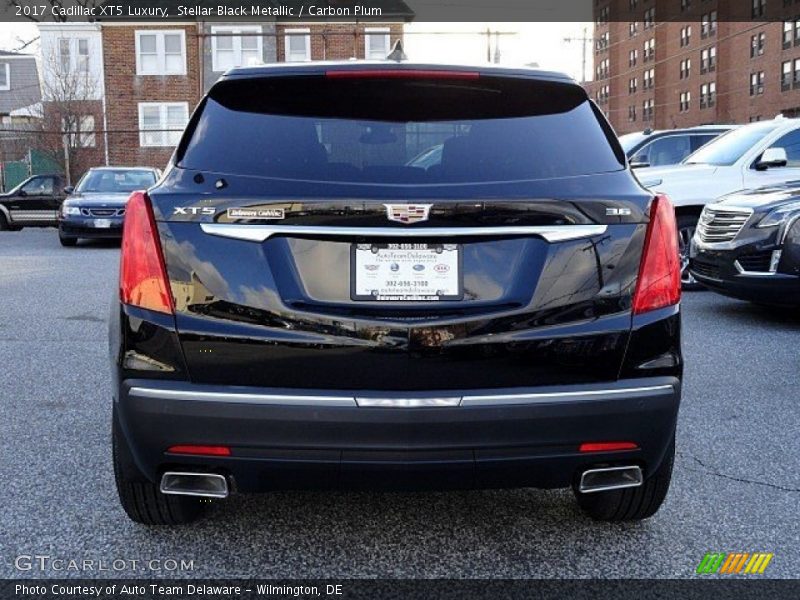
(70, 210)
(778, 216)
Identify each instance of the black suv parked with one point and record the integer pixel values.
(300, 307)
(34, 202)
(747, 245)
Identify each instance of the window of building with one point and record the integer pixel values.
(229, 48)
(647, 109)
(708, 94)
(162, 123)
(632, 4)
(796, 77)
(376, 42)
(632, 113)
(796, 27)
(602, 15)
(5, 76)
(649, 49)
(686, 5)
(758, 8)
(602, 69)
(788, 28)
(161, 52)
(78, 131)
(686, 35)
(685, 100)
(708, 59)
(757, 44)
(64, 55)
(83, 55)
(649, 17)
(786, 75)
(633, 55)
(297, 45)
(755, 118)
(686, 67)
(633, 27)
(632, 85)
(708, 24)
(757, 83)
(648, 78)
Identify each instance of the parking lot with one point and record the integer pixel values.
(736, 485)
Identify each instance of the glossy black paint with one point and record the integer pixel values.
(278, 315)
(21, 208)
(714, 264)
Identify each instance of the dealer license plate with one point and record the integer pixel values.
(406, 272)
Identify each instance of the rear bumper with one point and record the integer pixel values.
(283, 439)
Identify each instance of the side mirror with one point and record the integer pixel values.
(22, 193)
(69, 189)
(772, 157)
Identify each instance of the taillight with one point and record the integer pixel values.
(142, 274)
(659, 282)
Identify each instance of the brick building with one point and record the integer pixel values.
(674, 63)
(149, 76)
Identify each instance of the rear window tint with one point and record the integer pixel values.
(398, 131)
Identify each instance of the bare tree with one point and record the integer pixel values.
(68, 112)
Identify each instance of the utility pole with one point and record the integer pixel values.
(583, 40)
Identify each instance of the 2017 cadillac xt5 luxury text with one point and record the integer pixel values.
(301, 307)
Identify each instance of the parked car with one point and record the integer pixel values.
(752, 156)
(33, 203)
(304, 309)
(95, 207)
(666, 147)
(747, 245)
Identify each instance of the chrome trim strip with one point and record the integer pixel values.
(243, 397)
(544, 397)
(260, 233)
(408, 402)
(636, 482)
(390, 402)
(742, 271)
(165, 489)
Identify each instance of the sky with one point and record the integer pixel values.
(541, 43)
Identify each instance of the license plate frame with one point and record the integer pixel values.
(435, 257)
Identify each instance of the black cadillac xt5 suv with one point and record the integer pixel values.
(303, 306)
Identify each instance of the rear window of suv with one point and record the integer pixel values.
(399, 130)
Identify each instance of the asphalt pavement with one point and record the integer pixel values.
(735, 488)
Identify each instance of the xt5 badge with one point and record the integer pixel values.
(195, 210)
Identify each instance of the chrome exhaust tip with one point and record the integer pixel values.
(206, 485)
(610, 478)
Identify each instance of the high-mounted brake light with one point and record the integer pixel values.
(401, 74)
(142, 274)
(659, 282)
(606, 446)
(201, 450)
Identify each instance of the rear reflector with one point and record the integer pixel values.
(607, 446)
(142, 274)
(659, 282)
(201, 450)
(401, 74)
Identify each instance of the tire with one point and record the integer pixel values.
(141, 499)
(631, 504)
(66, 241)
(6, 226)
(686, 226)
